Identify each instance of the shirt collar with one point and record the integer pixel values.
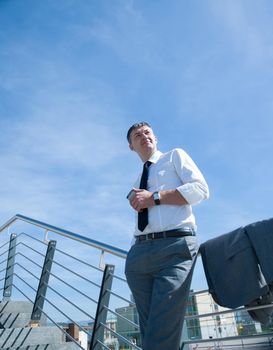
(155, 156)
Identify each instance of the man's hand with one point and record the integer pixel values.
(142, 199)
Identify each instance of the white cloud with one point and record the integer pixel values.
(63, 171)
(60, 156)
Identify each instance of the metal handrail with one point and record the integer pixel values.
(22, 280)
(73, 288)
(119, 336)
(72, 235)
(122, 317)
(222, 339)
(229, 311)
(61, 329)
(119, 253)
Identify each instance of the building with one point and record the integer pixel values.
(213, 326)
(109, 335)
(126, 329)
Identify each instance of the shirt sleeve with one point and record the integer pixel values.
(194, 187)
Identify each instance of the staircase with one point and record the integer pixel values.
(17, 334)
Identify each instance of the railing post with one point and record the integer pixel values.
(101, 313)
(10, 267)
(42, 288)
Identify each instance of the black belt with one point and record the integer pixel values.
(166, 234)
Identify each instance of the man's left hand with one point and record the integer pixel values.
(142, 199)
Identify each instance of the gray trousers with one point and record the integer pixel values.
(159, 274)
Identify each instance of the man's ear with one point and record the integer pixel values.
(131, 147)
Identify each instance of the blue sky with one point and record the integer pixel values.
(74, 75)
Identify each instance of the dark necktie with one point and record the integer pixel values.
(143, 215)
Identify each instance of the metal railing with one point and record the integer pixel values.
(74, 285)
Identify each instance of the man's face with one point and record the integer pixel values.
(143, 141)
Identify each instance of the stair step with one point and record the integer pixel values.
(18, 320)
(8, 306)
(17, 314)
(64, 346)
(19, 337)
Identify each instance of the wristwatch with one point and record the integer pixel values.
(156, 197)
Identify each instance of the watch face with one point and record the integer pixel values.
(156, 196)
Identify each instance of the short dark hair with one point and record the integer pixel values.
(136, 126)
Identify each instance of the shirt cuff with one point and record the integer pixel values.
(193, 192)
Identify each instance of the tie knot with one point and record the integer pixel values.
(147, 164)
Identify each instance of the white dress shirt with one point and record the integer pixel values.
(173, 170)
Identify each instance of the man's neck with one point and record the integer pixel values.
(147, 156)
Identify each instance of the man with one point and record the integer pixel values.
(159, 264)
